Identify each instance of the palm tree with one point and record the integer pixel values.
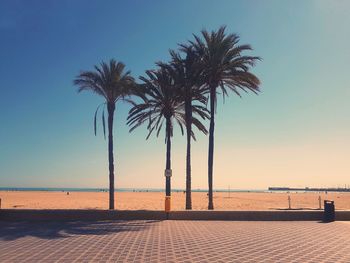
(187, 74)
(225, 68)
(113, 83)
(162, 103)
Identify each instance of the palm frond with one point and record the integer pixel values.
(224, 64)
(104, 123)
(95, 117)
(109, 80)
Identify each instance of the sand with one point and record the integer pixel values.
(155, 200)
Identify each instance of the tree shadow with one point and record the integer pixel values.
(64, 229)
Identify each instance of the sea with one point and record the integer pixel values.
(69, 189)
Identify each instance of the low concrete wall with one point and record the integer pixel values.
(248, 215)
(73, 215)
(78, 214)
(342, 215)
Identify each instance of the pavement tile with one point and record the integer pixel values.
(174, 241)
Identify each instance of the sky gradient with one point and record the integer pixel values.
(295, 133)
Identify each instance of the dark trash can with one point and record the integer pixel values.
(329, 211)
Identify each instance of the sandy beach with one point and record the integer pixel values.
(155, 200)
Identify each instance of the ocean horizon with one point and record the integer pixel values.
(76, 189)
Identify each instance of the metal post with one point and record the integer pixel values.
(319, 203)
(289, 206)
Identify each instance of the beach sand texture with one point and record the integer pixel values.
(155, 200)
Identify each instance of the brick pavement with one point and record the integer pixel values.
(174, 241)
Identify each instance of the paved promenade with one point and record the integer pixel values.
(175, 241)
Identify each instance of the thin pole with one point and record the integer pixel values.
(319, 202)
(289, 206)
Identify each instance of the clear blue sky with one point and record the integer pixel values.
(296, 133)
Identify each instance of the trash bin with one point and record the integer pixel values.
(329, 211)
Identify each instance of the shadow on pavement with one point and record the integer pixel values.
(52, 230)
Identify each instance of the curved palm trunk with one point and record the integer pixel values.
(168, 158)
(188, 113)
(111, 108)
(211, 148)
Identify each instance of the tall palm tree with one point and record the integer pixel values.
(162, 103)
(187, 75)
(225, 68)
(113, 83)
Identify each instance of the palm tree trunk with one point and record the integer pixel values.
(211, 148)
(188, 113)
(110, 109)
(168, 157)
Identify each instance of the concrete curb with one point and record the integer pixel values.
(95, 215)
(78, 214)
(248, 215)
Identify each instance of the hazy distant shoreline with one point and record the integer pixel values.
(158, 190)
(68, 189)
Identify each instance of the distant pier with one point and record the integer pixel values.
(310, 189)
